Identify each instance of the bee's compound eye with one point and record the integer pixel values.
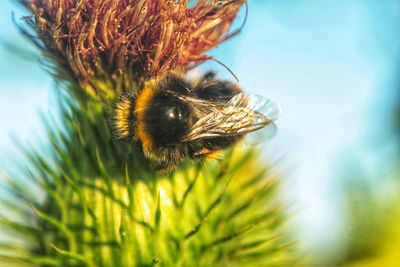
(167, 119)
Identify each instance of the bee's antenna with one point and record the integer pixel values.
(245, 15)
(226, 67)
(231, 35)
(237, 31)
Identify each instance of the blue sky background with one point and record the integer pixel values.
(331, 65)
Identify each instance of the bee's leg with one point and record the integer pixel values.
(209, 75)
(202, 153)
(205, 79)
(197, 150)
(210, 148)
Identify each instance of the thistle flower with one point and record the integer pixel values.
(103, 42)
(100, 203)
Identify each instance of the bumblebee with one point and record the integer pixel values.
(173, 118)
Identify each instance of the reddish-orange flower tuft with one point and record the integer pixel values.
(130, 39)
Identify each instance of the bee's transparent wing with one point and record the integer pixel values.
(242, 114)
(259, 137)
(272, 110)
(264, 107)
